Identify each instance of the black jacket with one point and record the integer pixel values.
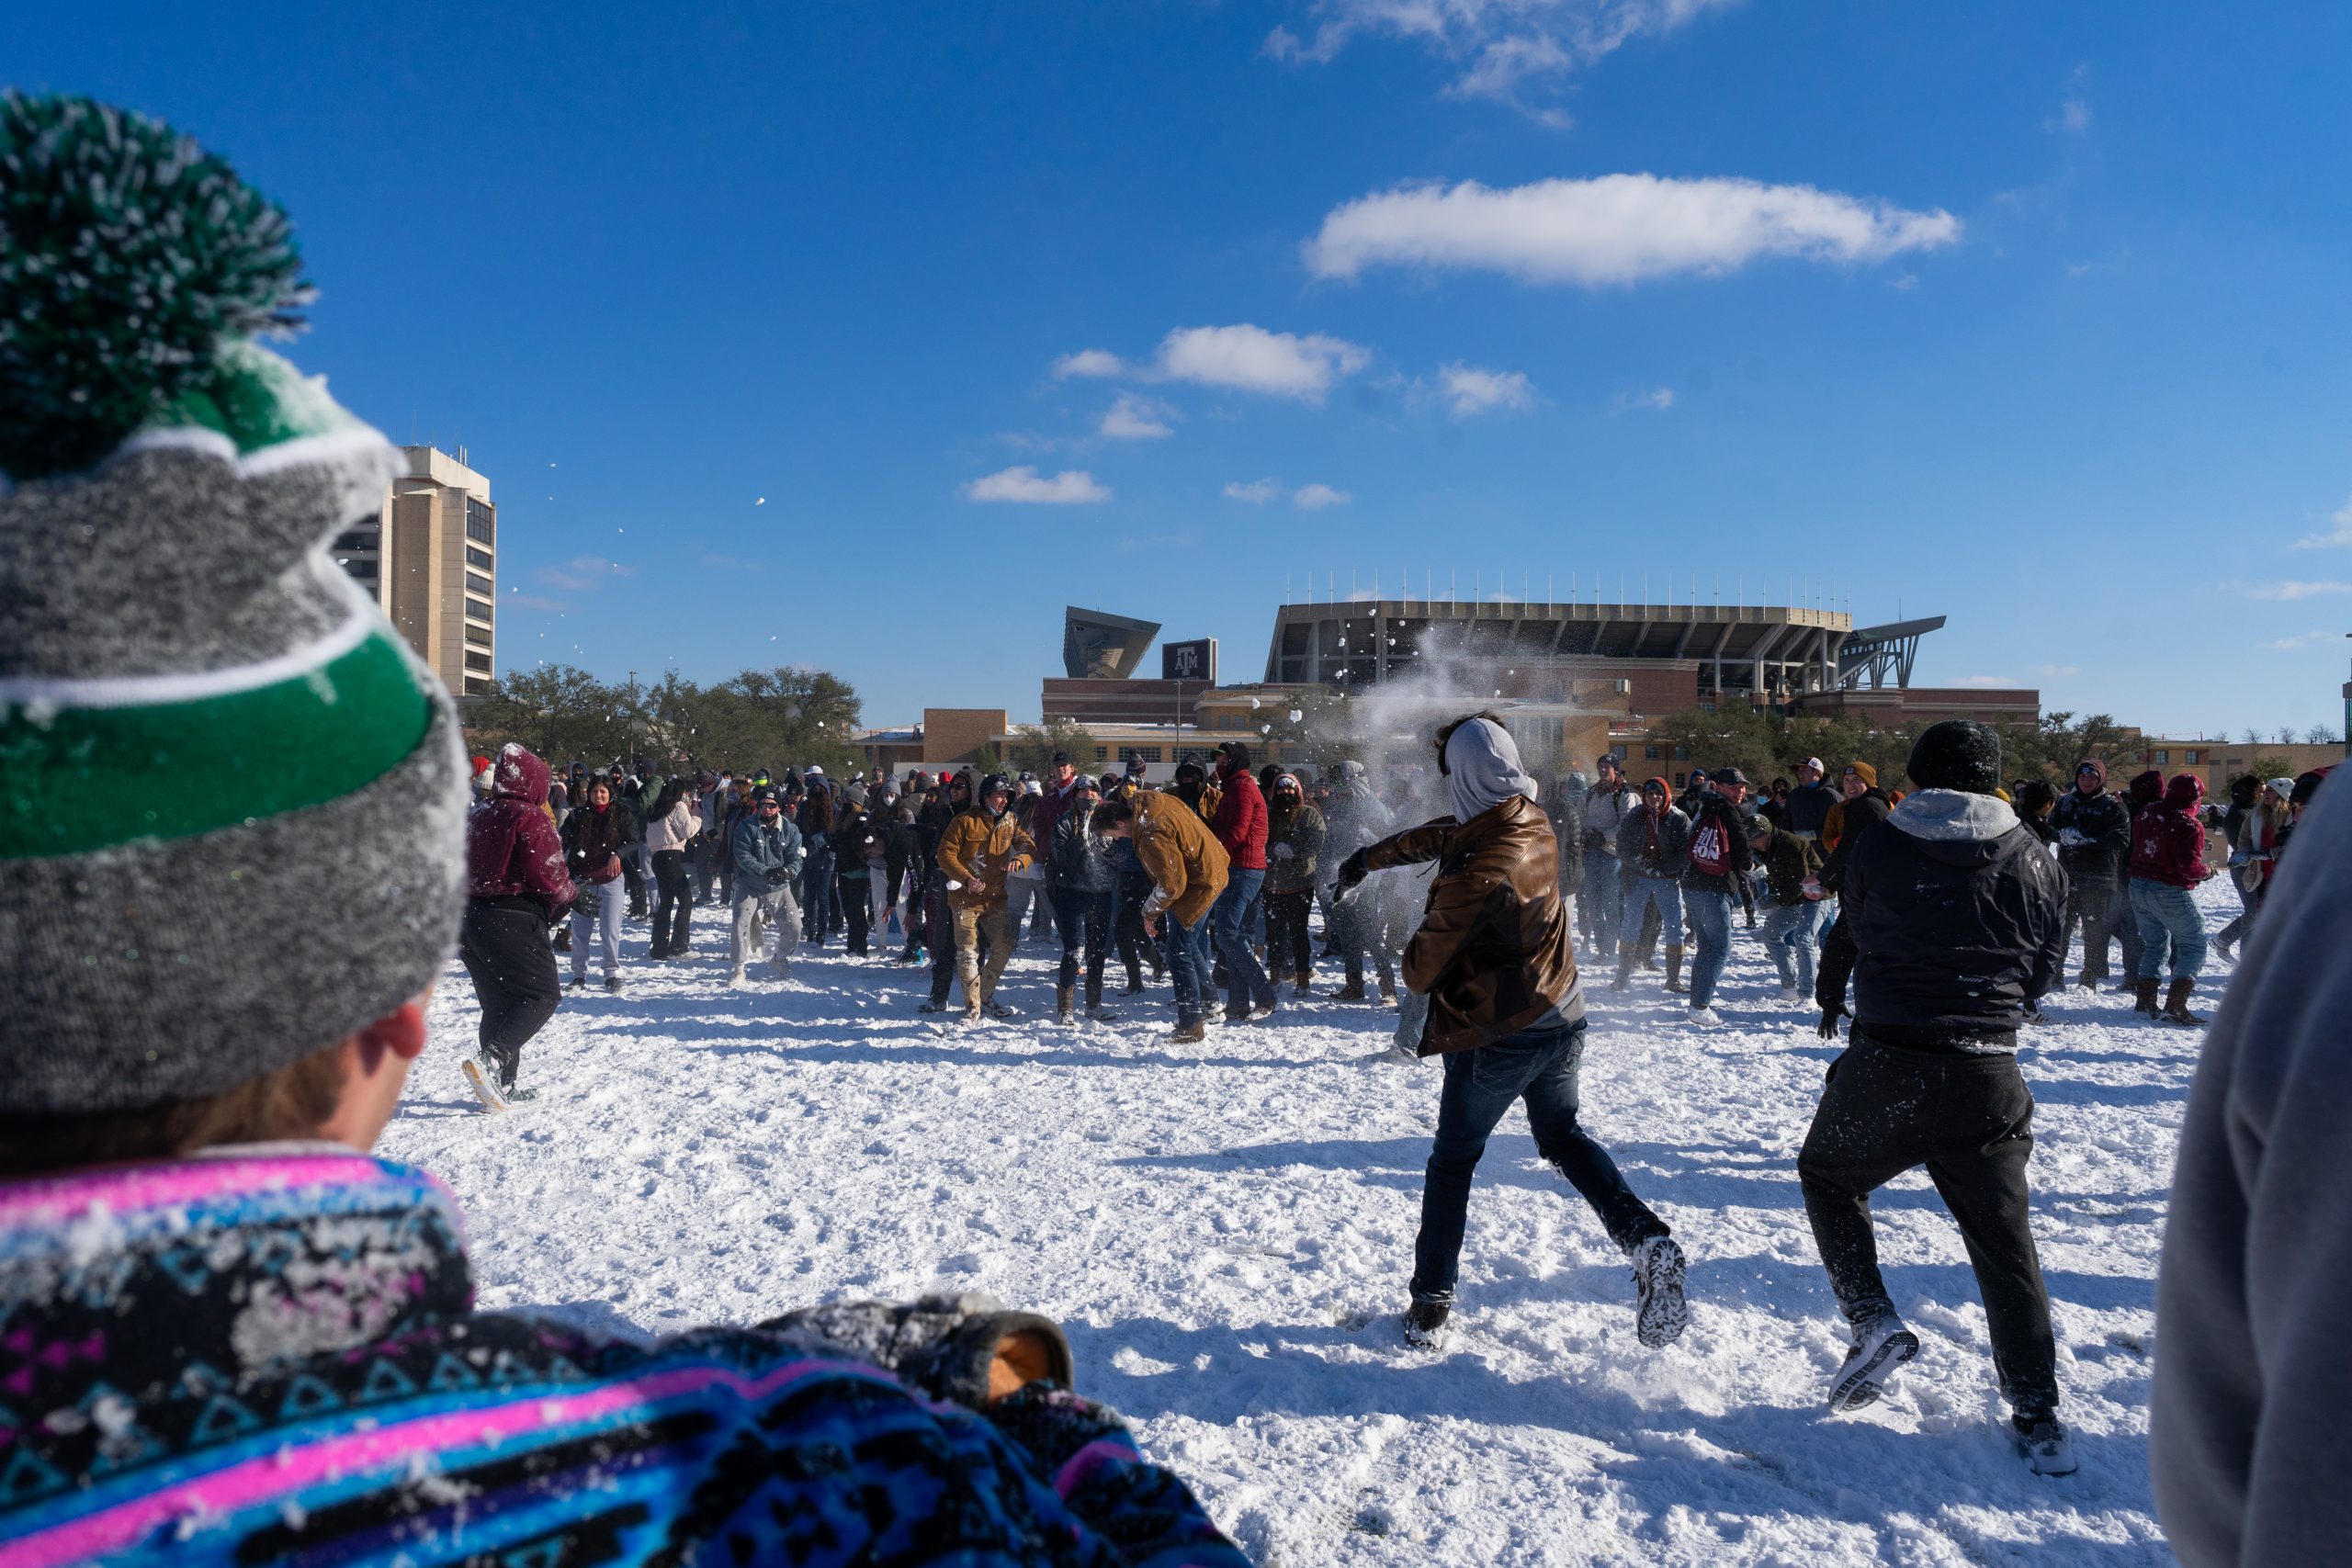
(1079, 861)
(1718, 816)
(1955, 914)
(1863, 812)
(1567, 812)
(1668, 857)
(1808, 806)
(2102, 819)
(1788, 861)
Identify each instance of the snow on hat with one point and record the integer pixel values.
(214, 739)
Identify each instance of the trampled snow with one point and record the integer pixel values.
(1227, 1230)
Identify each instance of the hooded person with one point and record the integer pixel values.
(1495, 957)
(1956, 914)
(515, 888)
(217, 994)
(983, 849)
(1356, 820)
(1294, 835)
(2168, 862)
(2093, 831)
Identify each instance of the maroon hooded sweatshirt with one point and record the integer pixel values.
(2168, 841)
(511, 850)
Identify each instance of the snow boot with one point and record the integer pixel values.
(514, 1096)
(2091, 982)
(1134, 988)
(2147, 997)
(1660, 1313)
(971, 1016)
(1192, 1033)
(1000, 1011)
(2176, 1002)
(1425, 1325)
(1351, 992)
(2042, 1443)
(1880, 1346)
(578, 981)
(1062, 1000)
(1387, 991)
(612, 982)
(1674, 971)
(932, 1005)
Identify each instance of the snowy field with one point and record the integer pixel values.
(1227, 1230)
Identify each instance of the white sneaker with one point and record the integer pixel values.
(2045, 1448)
(1705, 1017)
(1404, 1055)
(480, 1079)
(1878, 1349)
(1790, 996)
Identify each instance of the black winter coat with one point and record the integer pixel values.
(1669, 857)
(1864, 811)
(2106, 822)
(1715, 812)
(1955, 912)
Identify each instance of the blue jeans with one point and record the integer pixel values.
(1602, 897)
(1188, 965)
(1244, 981)
(1711, 922)
(1540, 1067)
(1640, 892)
(1787, 937)
(2167, 916)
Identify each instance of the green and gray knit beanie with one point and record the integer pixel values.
(231, 802)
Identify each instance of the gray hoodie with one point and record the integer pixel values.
(2248, 1439)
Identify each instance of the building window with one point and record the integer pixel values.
(477, 610)
(1680, 780)
(358, 539)
(476, 685)
(481, 522)
(478, 663)
(480, 560)
(1101, 753)
(1138, 753)
(2189, 758)
(478, 636)
(2163, 758)
(476, 583)
(1649, 753)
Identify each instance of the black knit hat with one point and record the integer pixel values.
(1959, 753)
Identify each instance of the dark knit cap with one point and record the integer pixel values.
(233, 822)
(1959, 753)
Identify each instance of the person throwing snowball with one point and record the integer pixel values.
(1495, 956)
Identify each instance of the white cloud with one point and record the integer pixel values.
(1657, 400)
(2054, 672)
(1257, 492)
(1133, 418)
(1613, 229)
(1088, 362)
(1244, 357)
(1475, 391)
(2339, 531)
(2288, 590)
(1252, 359)
(1985, 682)
(2303, 639)
(1069, 487)
(2074, 117)
(1507, 44)
(582, 572)
(1316, 497)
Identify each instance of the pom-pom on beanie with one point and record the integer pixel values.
(231, 808)
(1959, 753)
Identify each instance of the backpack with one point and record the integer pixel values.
(1711, 846)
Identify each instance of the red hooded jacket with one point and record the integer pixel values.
(2167, 842)
(511, 850)
(1240, 822)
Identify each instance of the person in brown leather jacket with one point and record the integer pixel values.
(981, 849)
(1495, 957)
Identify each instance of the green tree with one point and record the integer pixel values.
(1031, 750)
(558, 710)
(1737, 737)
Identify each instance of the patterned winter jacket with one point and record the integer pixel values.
(271, 1354)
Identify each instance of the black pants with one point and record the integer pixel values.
(504, 945)
(942, 941)
(1135, 945)
(634, 879)
(1083, 918)
(856, 906)
(817, 895)
(1288, 954)
(673, 903)
(1969, 1119)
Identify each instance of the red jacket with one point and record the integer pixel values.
(1240, 822)
(2167, 842)
(511, 845)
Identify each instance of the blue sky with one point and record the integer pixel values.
(2027, 315)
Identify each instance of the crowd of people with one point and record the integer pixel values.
(232, 1334)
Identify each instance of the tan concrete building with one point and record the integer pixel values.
(430, 558)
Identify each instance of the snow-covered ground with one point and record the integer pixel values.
(1227, 1229)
